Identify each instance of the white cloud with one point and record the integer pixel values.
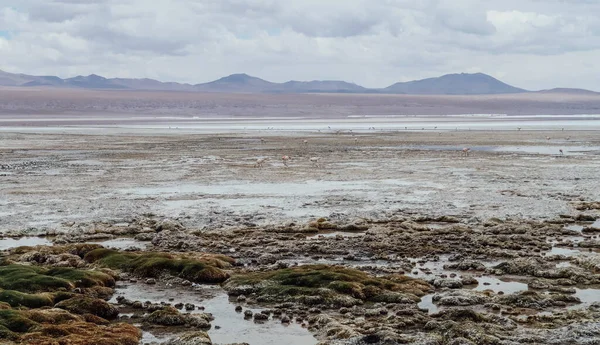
(374, 43)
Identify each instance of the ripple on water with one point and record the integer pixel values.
(9, 243)
(497, 285)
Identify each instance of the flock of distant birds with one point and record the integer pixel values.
(465, 152)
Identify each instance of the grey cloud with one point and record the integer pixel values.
(370, 42)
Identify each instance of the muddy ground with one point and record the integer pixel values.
(506, 236)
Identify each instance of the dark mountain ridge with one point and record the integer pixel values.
(450, 84)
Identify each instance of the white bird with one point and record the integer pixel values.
(315, 161)
(259, 162)
(285, 160)
(465, 151)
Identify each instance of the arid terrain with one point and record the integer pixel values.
(367, 236)
(76, 102)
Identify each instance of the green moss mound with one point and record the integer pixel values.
(328, 282)
(151, 265)
(20, 299)
(15, 321)
(85, 305)
(32, 279)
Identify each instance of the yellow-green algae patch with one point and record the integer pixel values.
(197, 269)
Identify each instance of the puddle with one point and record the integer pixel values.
(578, 228)
(234, 329)
(122, 243)
(9, 243)
(275, 189)
(588, 296)
(427, 303)
(564, 264)
(335, 234)
(497, 285)
(528, 149)
(564, 251)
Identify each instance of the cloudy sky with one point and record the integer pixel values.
(533, 44)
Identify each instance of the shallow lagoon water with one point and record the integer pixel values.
(122, 243)
(497, 285)
(526, 149)
(8, 243)
(233, 327)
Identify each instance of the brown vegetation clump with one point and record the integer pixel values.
(323, 284)
(58, 327)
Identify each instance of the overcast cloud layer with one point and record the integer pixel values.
(533, 44)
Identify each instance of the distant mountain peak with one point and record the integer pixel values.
(455, 84)
(238, 77)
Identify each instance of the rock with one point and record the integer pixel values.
(261, 317)
(469, 280)
(447, 283)
(465, 265)
(194, 338)
(585, 218)
(166, 317)
(168, 225)
(267, 259)
(460, 298)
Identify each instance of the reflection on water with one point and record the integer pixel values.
(497, 285)
(527, 149)
(122, 243)
(427, 303)
(233, 327)
(9, 243)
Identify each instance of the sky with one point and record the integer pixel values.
(534, 44)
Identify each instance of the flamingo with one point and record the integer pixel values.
(465, 151)
(315, 161)
(547, 138)
(259, 162)
(285, 160)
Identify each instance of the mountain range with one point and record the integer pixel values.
(450, 84)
